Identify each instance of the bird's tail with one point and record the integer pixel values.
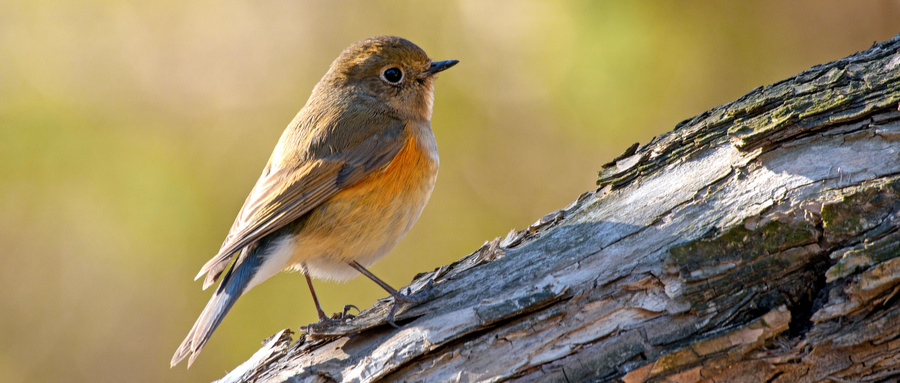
(234, 284)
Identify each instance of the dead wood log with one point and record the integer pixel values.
(756, 242)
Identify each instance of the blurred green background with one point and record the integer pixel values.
(131, 132)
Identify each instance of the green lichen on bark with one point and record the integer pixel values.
(742, 271)
(864, 255)
(740, 245)
(836, 92)
(848, 89)
(867, 213)
(860, 211)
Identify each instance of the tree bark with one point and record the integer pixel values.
(757, 242)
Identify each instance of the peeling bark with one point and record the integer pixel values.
(757, 242)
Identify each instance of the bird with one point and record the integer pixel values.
(346, 181)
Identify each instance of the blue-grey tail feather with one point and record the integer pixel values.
(233, 285)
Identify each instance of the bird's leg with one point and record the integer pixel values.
(322, 316)
(398, 297)
(345, 313)
(319, 311)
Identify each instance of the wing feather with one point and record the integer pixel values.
(282, 195)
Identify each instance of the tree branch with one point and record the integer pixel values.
(757, 241)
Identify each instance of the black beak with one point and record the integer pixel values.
(439, 66)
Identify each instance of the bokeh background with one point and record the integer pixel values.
(131, 132)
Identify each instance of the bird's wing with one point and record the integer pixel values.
(281, 196)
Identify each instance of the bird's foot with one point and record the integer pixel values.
(404, 299)
(335, 318)
(345, 314)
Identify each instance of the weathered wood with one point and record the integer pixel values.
(756, 242)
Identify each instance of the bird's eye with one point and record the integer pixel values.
(392, 75)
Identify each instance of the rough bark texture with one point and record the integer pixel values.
(756, 242)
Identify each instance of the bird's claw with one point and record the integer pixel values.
(345, 314)
(403, 299)
(334, 319)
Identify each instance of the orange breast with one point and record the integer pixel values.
(411, 166)
(365, 221)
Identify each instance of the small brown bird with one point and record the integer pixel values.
(348, 178)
